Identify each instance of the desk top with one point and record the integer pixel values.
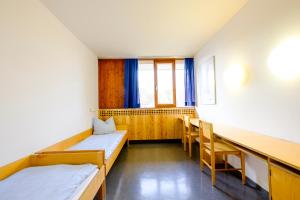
(277, 149)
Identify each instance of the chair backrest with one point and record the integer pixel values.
(185, 123)
(207, 133)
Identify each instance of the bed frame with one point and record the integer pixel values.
(69, 142)
(96, 187)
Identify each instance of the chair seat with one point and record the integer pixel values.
(197, 139)
(221, 147)
(193, 133)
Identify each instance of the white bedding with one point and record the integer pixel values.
(54, 182)
(79, 191)
(108, 142)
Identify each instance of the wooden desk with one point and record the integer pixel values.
(276, 149)
(283, 157)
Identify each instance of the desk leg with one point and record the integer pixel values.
(243, 168)
(269, 177)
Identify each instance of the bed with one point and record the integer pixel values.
(75, 175)
(108, 142)
(112, 143)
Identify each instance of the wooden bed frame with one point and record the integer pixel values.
(95, 188)
(69, 142)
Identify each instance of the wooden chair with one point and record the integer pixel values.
(187, 134)
(214, 148)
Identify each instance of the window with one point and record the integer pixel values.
(164, 79)
(161, 83)
(146, 83)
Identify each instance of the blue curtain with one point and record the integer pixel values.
(189, 82)
(131, 96)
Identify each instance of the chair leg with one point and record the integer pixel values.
(226, 161)
(184, 143)
(213, 170)
(190, 146)
(201, 158)
(243, 168)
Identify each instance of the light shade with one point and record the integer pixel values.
(284, 60)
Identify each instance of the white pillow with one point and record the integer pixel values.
(104, 127)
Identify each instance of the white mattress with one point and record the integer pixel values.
(108, 142)
(55, 182)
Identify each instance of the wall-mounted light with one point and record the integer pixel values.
(235, 76)
(284, 60)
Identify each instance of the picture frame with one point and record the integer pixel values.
(207, 82)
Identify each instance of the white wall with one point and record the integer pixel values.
(265, 103)
(48, 80)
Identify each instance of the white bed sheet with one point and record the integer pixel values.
(55, 182)
(107, 142)
(79, 191)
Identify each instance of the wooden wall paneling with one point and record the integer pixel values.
(156, 126)
(147, 121)
(134, 129)
(166, 125)
(172, 121)
(178, 127)
(149, 124)
(175, 122)
(111, 83)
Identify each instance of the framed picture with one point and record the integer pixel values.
(207, 82)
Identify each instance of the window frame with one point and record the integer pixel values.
(173, 62)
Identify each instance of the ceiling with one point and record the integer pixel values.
(144, 28)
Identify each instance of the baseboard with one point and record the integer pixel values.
(155, 141)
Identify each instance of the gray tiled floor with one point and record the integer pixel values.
(165, 172)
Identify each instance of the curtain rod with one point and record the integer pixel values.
(146, 58)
